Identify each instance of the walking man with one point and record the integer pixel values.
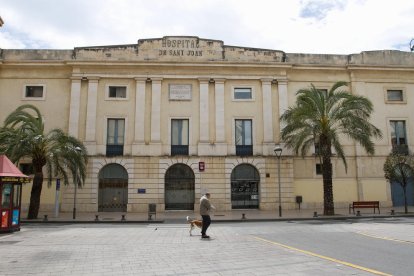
(205, 208)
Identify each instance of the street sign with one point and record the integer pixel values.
(201, 166)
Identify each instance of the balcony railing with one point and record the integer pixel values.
(114, 150)
(400, 149)
(244, 150)
(179, 149)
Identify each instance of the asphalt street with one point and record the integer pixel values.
(380, 246)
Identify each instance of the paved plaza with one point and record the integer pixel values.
(315, 247)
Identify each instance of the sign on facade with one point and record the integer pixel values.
(180, 92)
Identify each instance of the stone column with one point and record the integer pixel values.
(219, 102)
(139, 134)
(74, 107)
(204, 111)
(156, 110)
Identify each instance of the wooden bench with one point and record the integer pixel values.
(364, 204)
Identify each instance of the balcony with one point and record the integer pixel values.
(244, 150)
(179, 150)
(400, 149)
(114, 150)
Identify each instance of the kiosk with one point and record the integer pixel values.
(11, 180)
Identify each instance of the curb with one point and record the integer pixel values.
(177, 220)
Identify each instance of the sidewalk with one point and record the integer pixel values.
(218, 216)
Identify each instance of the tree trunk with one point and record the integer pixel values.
(35, 196)
(405, 199)
(328, 202)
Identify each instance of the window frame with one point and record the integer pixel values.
(243, 147)
(185, 148)
(405, 131)
(24, 93)
(111, 148)
(107, 130)
(108, 89)
(389, 89)
(252, 91)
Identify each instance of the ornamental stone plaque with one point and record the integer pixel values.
(180, 92)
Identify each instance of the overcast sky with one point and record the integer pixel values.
(293, 26)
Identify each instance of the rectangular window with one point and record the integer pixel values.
(398, 133)
(179, 136)
(395, 95)
(398, 137)
(117, 92)
(243, 93)
(34, 91)
(243, 137)
(317, 149)
(324, 91)
(318, 169)
(115, 137)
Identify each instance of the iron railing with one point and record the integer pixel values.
(244, 150)
(114, 150)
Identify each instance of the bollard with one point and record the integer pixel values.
(315, 214)
(123, 218)
(96, 217)
(149, 217)
(243, 216)
(45, 218)
(392, 212)
(358, 213)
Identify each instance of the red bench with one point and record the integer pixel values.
(364, 204)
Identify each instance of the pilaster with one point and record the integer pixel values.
(90, 131)
(74, 107)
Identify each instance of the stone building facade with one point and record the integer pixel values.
(167, 119)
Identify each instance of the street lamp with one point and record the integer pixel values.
(278, 152)
(78, 151)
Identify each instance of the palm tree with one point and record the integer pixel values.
(319, 118)
(23, 135)
(399, 168)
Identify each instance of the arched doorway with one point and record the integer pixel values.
(245, 181)
(179, 188)
(113, 189)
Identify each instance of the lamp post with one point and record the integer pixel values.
(278, 152)
(78, 151)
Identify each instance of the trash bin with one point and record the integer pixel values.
(152, 210)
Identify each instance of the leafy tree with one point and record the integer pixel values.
(399, 168)
(23, 135)
(319, 118)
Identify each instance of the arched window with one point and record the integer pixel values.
(179, 188)
(113, 189)
(245, 182)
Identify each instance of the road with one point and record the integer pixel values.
(346, 247)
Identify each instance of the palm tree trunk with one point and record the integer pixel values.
(328, 202)
(35, 196)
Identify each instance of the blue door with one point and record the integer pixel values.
(397, 194)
